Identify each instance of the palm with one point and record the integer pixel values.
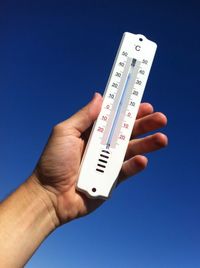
(58, 170)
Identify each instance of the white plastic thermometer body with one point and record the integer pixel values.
(107, 145)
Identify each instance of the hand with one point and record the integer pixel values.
(57, 170)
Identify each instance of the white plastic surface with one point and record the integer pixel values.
(107, 145)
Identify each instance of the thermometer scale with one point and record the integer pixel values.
(107, 145)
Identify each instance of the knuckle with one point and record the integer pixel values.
(58, 129)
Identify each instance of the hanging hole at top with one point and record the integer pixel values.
(141, 39)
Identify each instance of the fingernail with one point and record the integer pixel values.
(94, 96)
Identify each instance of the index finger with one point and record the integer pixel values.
(144, 109)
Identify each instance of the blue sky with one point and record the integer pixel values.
(53, 56)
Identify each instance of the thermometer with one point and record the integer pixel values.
(109, 138)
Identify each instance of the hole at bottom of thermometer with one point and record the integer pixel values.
(94, 190)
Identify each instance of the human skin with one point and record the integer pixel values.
(48, 198)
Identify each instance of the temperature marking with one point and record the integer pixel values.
(123, 98)
(106, 148)
(117, 105)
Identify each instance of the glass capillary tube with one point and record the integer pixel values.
(120, 104)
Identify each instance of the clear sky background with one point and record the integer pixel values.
(53, 56)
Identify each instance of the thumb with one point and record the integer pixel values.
(84, 118)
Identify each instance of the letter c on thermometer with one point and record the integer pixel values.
(137, 48)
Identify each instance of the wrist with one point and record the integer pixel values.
(45, 199)
(28, 216)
